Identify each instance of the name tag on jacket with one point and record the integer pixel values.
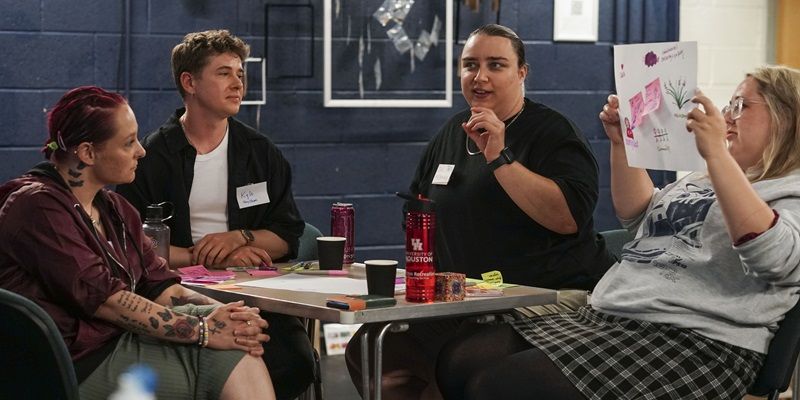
(442, 176)
(252, 195)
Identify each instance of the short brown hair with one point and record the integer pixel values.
(780, 87)
(191, 54)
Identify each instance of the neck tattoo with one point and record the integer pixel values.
(508, 125)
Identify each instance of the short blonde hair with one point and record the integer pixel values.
(780, 87)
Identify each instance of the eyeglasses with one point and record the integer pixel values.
(734, 108)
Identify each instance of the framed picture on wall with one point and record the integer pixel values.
(388, 53)
(575, 20)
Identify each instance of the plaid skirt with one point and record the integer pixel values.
(610, 357)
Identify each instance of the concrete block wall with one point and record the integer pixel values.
(362, 156)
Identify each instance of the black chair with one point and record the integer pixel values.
(35, 361)
(781, 360)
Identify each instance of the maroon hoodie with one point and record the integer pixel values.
(50, 254)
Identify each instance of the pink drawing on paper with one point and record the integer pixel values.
(637, 109)
(628, 129)
(652, 97)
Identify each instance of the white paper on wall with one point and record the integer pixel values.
(655, 82)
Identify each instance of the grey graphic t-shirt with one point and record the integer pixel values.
(683, 269)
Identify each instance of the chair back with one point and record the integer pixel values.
(615, 239)
(781, 358)
(308, 243)
(34, 360)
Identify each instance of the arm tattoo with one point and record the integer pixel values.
(154, 322)
(165, 315)
(130, 301)
(182, 328)
(134, 326)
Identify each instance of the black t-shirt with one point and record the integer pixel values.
(479, 228)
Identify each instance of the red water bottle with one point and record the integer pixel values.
(420, 231)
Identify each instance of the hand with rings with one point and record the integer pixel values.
(240, 323)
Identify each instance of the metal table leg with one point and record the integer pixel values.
(393, 327)
(374, 379)
(365, 376)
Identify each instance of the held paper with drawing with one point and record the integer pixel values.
(655, 82)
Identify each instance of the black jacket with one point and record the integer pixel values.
(167, 171)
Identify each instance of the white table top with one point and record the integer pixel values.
(312, 305)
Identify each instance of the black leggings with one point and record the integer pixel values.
(494, 362)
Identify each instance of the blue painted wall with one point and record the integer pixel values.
(361, 156)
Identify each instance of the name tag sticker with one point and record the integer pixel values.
(252, 195)
(442, 176)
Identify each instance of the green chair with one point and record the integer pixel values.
(615, 239)
(308, 243)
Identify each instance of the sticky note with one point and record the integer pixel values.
(637, 110)
(194, 270)
(492, 277)
(652, 97)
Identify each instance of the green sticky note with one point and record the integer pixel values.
(493, 277)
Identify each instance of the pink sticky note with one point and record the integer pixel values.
(194, 270)
(260, 272)
(652, 97)
(637, 110)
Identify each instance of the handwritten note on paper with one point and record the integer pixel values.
(655, 83)
(495, 277)
(637, 110)
(652, 98)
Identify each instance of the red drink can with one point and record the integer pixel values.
(343, 218)
(420, 269)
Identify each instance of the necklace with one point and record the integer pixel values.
(91, 216)
(475, 153)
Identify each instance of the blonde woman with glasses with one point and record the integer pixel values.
(689, 311)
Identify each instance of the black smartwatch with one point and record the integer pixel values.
(506, 157)
(248, 236)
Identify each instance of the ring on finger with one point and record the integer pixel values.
(249, 323)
